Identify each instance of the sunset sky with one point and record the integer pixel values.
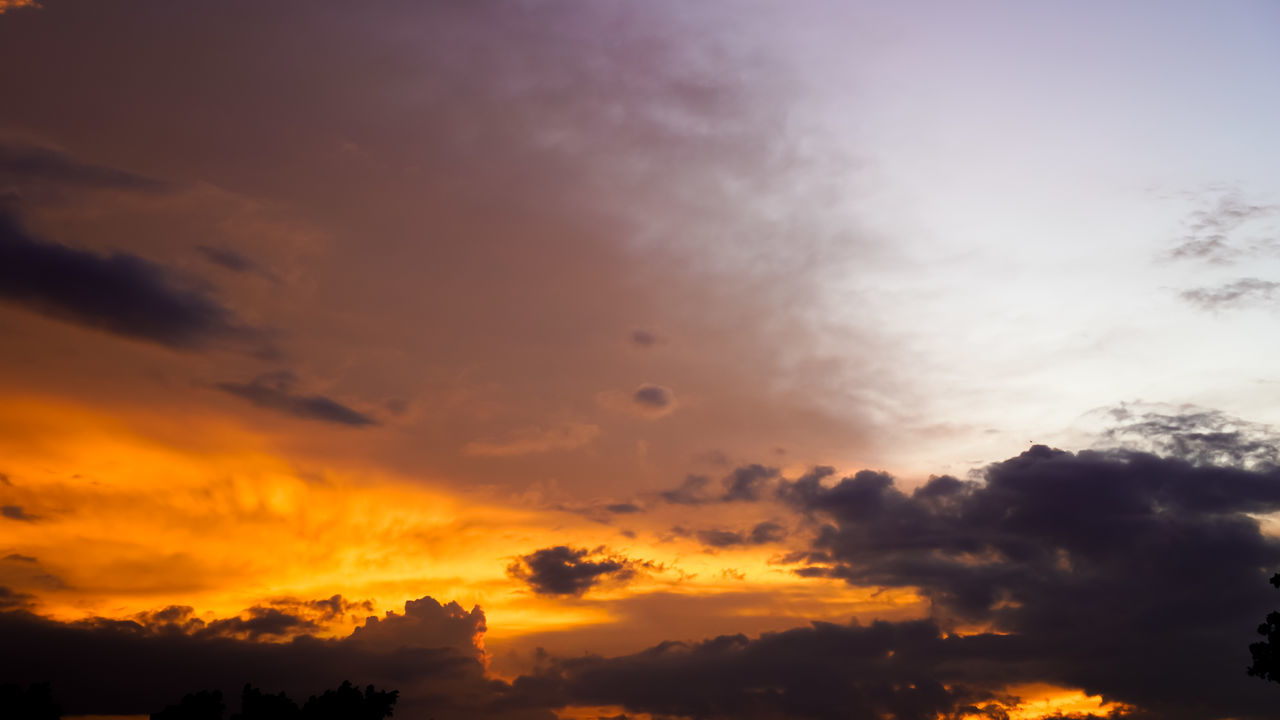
(641, 359)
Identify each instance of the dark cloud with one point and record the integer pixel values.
(690, 492)
(643, 338)
(623, 508)
(275, 391)
(762, 534)
(744, 484)
(11, 599)
(34, 170)
(16, 557)
(747, 483)
(653, 396)
(1200, 436)
(1235, 294)
(227, 258)
(118, 293)
(906, 671)
(1125, 573)
(15, 512)
(128, 667)
(562, 570)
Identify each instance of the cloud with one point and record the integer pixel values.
(15, 512)
(226, 258)
(654, 398)
(690, 492)
(1235, 294)
(762, 534)
(1198, 435)
(562, 570)
(7, 5)
(274, 391)
(623, 508)
(427, 653)
(647, 401)
(644, 338)
(120, 293)
(1097, 565)
(46, 171)
(565, 436)
(16, 557)
(744, 484)
(11, 599)
(1209, 237)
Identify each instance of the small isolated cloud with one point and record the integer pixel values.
(120, 293)
(762, 534)
(623, 508)
(644, 338)
(15, 512)
(647, 401)
(563, 570)
(565, 436)
(275, 391)
(15, 557)
(1236, 294)
(744, 484)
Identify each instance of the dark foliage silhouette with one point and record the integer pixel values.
(34, 702)
(203, 705)
(257, 705)
(346, 702)
(1266, 654)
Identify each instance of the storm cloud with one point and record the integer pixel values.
(119, 293)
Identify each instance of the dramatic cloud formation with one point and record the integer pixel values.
(1198, 435)
(119, 293)
(428, 654)
(1153, 569)
(562, 570)
(275, 391)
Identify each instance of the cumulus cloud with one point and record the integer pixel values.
(1235, 294)
(565, 436)
(428, 653)
(275, 391)
(1202, 436)
(1107, 556)
(120, 293)
(762, 534)
(1210, 229)
(563, 570)
(745, 484)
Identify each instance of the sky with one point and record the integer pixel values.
(652, 360)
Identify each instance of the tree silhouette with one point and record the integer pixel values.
(348, 703)
(1266, 654)
(257, 705)
(204, 705)
(31, 703)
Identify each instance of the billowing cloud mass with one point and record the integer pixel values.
(641, 360)
(563, 570)
(275, 391)
(428, 653)
(119, 293)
